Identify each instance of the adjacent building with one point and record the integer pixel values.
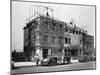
(73, 40)
(88, 44)
(18, 56)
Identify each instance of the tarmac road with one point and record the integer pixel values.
(67, 67)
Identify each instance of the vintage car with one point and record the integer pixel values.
(49, 61)
(84, 58)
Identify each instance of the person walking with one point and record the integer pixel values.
(37, 61)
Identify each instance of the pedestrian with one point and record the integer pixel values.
(37, 62)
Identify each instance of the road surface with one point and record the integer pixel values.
(67, 67)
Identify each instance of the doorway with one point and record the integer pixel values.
(45, 53)
(74, 52)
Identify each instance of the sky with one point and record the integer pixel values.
(84, 17)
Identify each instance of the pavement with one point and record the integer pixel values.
(21, 64)
(66, 67)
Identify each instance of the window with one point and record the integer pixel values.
(80, 41)
(87, 47)
(66, 40)
(53, 39)
(60, 39)
(53, 27)
(73, 32)
(80, 32)
(76, 32)
(48, 24)
(70, 31)
(69, 40)
(67, 52)
(60, 27)
(80, 51)
(45, 24)
(71, 23)
(66, 30)
(45, 38)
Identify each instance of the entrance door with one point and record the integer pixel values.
(45, 53)
(74, 52)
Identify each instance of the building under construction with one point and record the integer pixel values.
(46, 36)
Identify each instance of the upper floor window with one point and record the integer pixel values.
(80, 41)
(60, 40)
(53, 27)
(53, 39)
(46, 24)
(45, 38)
(73, 32)
(60, 27)
(70, 31)
(66, 30)
(69, 40)
(66, 40)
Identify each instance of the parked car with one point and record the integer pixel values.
(49, 61)
(92, 58)
(84, 58)
(45, 62)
